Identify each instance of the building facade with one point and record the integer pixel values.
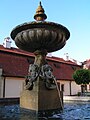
(14, 64)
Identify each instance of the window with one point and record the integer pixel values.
(62, 87)
(56, 65)
(73, 67)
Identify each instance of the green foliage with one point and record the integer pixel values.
(82, 76)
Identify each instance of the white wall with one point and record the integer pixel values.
(13, 87)
(74, 87)
(1, 84)
(66, 87)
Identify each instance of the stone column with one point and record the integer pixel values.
(40, 57)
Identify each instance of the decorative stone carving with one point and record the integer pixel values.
(32, 76)
(47, 76)
(45, 72)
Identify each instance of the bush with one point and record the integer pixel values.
(82, 76)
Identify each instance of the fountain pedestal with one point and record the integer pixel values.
(40, 98)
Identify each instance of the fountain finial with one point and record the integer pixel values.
(40, 3)
(40, 13)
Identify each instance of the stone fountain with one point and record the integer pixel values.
(41, 91)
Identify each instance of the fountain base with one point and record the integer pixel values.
(40, 98)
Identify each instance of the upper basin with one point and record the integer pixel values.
(39, 35)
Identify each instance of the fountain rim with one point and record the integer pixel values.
(38, 24)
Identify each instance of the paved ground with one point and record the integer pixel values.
(77, 98)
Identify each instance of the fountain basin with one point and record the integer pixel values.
(39, 35)
(72, 111)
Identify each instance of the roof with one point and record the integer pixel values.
(15, 62)
(86, 64)
(25, 53)
(15, 51)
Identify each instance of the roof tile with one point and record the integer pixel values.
(15, 62)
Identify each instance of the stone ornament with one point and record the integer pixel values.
(47, 76)
(33, 73)
(44, 72)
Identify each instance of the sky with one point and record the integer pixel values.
(73, 14)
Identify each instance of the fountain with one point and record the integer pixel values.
(41, 91)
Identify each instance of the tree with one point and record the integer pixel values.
(82, 76)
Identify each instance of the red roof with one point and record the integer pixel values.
(15, 62)
(87, 64)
